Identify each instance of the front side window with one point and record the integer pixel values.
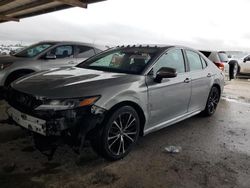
(173, 59)
(126, 60)
(194, 60)
(62, 51)
(84, 52)
(33, 50)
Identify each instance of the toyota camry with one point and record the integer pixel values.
(114, 97)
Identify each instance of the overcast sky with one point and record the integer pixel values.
(203, 24)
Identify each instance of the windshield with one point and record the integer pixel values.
(131, 60)
(33, 50)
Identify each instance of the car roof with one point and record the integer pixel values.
(101, 47)
(160, 46)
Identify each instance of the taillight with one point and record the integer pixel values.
(219, 65)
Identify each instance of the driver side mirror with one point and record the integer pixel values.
(165, 72)
(50, 57)
(246, 59)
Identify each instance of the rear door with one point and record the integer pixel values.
(201, 77)
(64, 57)
(170, 98)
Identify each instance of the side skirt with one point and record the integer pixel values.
(170, 122)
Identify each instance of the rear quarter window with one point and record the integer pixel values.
(206, 53)
(194, 60)
(84, 52)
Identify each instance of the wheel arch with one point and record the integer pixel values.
(218, 87)
(16, 72)
(137, 108)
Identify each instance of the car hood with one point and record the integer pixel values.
(71, 82)
(9, 59)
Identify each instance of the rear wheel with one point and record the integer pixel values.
(119, 134)
(212, 101)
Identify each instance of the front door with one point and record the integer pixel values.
(170, 98)
(64, 57)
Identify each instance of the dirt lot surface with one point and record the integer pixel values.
(215, 153)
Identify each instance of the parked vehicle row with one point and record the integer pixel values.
(113, 97)
(243, 64)
(230, 65)
(10, 50)
(44, 56)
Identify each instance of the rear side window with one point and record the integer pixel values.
(62, 51)
(84, 52)
(194, 60)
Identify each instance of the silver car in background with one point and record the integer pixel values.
(43, 56)
(116, 96)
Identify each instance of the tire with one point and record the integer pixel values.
(212, 102)
(233, 69)
(120, 132)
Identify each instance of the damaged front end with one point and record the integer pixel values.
(53, 122)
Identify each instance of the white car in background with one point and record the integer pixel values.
(220, 59)
(244, 65)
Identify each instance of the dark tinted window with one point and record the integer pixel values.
(204, 63)
(173, 59)
(62, 51)
(223, 57)
(194, 60)
(84, 52)
(206, 53)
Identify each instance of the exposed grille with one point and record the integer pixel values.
(22, 101)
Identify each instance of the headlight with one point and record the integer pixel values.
(3, 66)
(67, 104)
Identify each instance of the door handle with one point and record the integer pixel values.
(187, 80)
(209, 75)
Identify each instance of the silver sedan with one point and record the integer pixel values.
(116, 96)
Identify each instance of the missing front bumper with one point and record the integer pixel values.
(81, 120)
(28, 122)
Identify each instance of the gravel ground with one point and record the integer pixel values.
(215, 153)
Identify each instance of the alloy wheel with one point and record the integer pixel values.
(213, 100)
(122, 133)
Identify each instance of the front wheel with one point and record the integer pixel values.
(212, 101)
(119, 134)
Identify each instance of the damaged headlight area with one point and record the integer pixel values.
(67, 121)
(67, 104)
